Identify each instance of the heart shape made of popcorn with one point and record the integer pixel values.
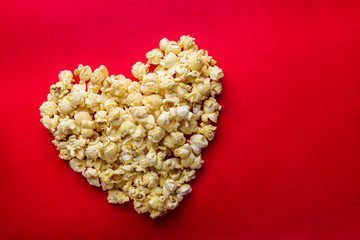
(138, 140)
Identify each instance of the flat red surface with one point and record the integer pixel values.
(285, 163)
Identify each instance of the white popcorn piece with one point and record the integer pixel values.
(99, 75)
(163, 43)
(169, 61)
(154, 56)
(114, 116)
(65, 106)
(207, 130)
(84, 73)
(139, 70)
(77, 165)
(109, 152)
(183, 151)
(138, 140)
(66, 78)
(216, 73)
(82, 115)
(195, 62)
(185, 189)
(50, 123)
(153, 101)
(48, 108)
(93, 151)
(198, 141)
(187, 42)
(116, 196)
(172, 47)
(92, 176)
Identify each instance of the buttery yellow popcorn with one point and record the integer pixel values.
(138, 140)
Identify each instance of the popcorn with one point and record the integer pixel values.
(216, 88)
(183, 151)
(84, 73)
(99, 75)
(149, 88)
(184, 189)
(139, 70)
(109, 104)
(187, 42)
(198, 141)
(82, 115)
(164, 119)
(138, 140)
(65, 106)
(195, 62)
(163, 43)
(171, 202)
(134, 99)
(92, 176)
(154, 56)
(169, 60)
(170, 185)
(216, 73)
(109, 152)
(150, 179)
(156, 134)
(153, 101)
(188, 127)
(114, 116)
(77, 165)
(207, 130)
(66, 77)
(172, 47)
(48, 108)
(50, 123)
(116, 196)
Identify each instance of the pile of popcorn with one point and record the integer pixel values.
(138, 140)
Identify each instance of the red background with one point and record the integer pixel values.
(285, 163)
